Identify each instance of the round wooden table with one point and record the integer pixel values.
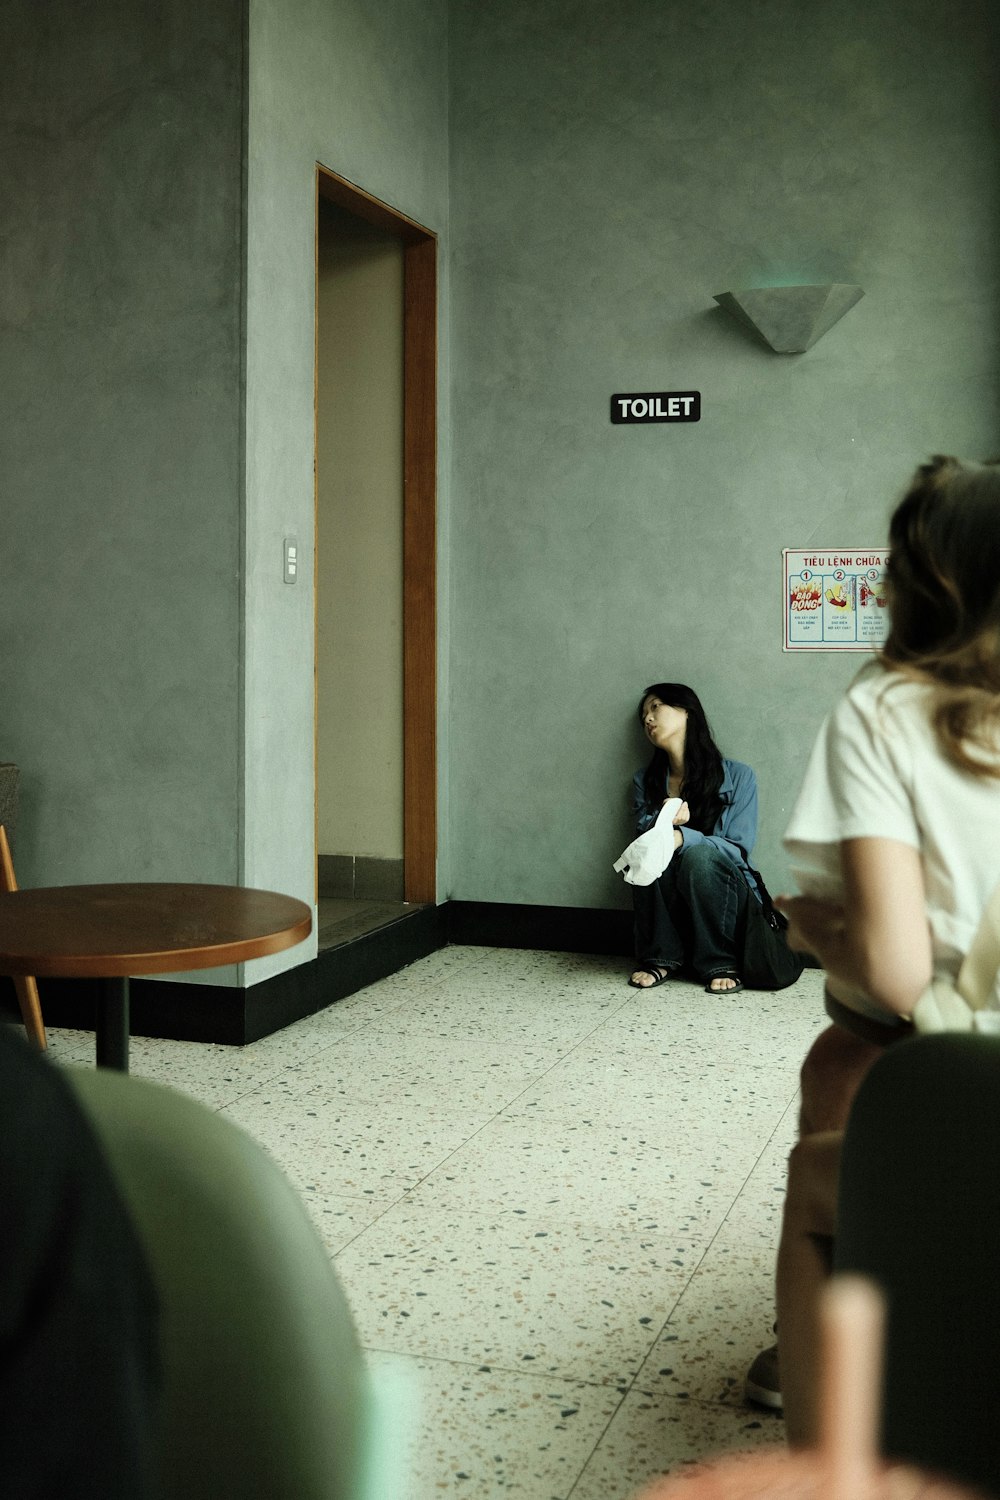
(109, 932)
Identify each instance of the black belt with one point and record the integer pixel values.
(881, 1033)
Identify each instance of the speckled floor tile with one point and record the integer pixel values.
(483, 1433)
(215, 1074)
(456, 956)
(539, 980)
(471, 971)
(771, 1030)
(519, 966)
(490, 993)
(337, 1020)
(339, 1217)
(690, 1101)
(436, 969)
(649, 1437)
(68, 1046)
(725, 1314)
(387, 995)
(505, 1016)
(722, 1321)
(379, 1002)
(584, 1171)
(571, 1187)
(379, 1066)
(757, 1211)
(520, 1292)
(376, 1151)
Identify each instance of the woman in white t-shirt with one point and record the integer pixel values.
(895, 842)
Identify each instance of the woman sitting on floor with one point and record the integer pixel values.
(691, 916)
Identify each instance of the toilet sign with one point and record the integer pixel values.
(657, 406)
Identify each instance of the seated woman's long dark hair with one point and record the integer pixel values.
(702, 759)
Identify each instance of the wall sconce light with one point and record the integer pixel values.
(790, 319)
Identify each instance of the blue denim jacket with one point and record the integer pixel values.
(737, 825)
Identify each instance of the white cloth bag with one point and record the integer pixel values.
(955, 1004)
(647, 857)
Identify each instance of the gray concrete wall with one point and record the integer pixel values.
(363, 90)
(120, 308)
(612, 168)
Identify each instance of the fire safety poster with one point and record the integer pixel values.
(835, 601)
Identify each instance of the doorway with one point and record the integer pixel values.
(375, 548)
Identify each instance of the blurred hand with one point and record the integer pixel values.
(814, 926)
(682, 815)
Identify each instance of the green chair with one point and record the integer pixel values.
(266, 1396)
(919, 1213)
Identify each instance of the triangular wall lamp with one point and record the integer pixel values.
(790, 319)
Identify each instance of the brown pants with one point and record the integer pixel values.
(831, 1076)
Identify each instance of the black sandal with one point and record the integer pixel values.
(732, 989)
(659, 973)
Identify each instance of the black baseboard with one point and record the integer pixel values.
(560, 929)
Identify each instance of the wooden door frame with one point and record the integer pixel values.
(419, 526)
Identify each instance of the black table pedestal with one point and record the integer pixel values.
(112, 1024)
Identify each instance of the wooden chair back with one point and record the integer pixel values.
(24, 984)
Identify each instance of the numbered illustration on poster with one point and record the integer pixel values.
(834, 601)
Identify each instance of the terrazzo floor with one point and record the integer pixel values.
(553, 1202)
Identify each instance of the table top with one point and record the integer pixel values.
(83, 931)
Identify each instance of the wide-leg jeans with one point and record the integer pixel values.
(692, 915)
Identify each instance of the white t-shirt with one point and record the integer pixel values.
(876, 771)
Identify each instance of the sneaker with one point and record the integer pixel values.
(763, 1383)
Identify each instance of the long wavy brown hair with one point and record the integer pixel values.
(943, 586)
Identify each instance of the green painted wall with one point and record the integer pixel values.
(363, 90)
(595, 176)
(156, 376)
(612, 168)
(120, 305)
